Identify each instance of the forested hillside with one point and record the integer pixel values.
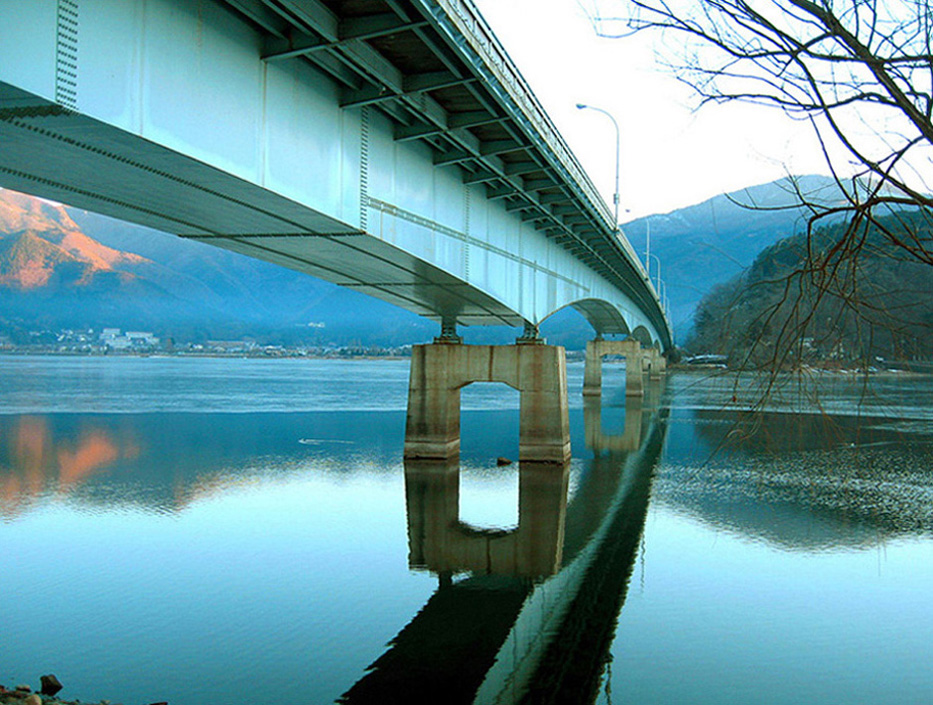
(814, 300)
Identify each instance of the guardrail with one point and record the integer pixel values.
(469, 26)
(484, 42)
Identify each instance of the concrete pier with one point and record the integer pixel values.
(657, 363)
(593, 372)
(440, 370)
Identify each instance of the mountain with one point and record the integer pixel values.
(66, 268)
(709, 243)
(52, 273)
(40, 243)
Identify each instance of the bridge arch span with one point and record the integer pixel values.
(607, 318)
(603, 316)
(643, 336)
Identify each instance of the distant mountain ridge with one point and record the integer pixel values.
(39, 242)
(711, 242)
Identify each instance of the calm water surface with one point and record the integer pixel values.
(216, 531)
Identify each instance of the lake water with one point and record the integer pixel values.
(227, 531)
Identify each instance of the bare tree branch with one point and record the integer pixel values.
(861, 73)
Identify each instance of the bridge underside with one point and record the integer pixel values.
(53, 153)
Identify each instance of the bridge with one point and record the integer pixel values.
(389, 146)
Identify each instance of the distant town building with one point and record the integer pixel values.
(113, 339)
(142, 339)
(231, 346)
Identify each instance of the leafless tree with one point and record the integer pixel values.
(861, 73)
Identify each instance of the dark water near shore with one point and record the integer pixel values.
(227, 531)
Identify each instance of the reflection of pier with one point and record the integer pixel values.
(599, 441)
(504, 635)
(441, 543)
(594, 411)
(557, 649)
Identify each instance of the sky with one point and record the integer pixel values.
(671, 155)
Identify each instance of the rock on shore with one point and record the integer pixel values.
(48, 689)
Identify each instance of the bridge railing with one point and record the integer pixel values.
(466, 27)
(471, 26)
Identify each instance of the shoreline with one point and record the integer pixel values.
(573, 356)
(47, 694)
(196, 355)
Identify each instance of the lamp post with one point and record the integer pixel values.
(658, 275)
(615, 196)
(648, 247)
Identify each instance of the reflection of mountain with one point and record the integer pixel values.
(163, 462)
(803, 482)
(33, 460)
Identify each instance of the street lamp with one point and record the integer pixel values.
(648, 246)
(615, 196)
(657, 276)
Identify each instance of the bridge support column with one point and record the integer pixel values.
(593, 370)
(440, 370)
(656, 364)
(448, 331)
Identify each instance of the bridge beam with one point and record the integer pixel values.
(593, 370)
(440, 370)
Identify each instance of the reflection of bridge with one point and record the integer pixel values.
(504, 634)
(388, 146)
